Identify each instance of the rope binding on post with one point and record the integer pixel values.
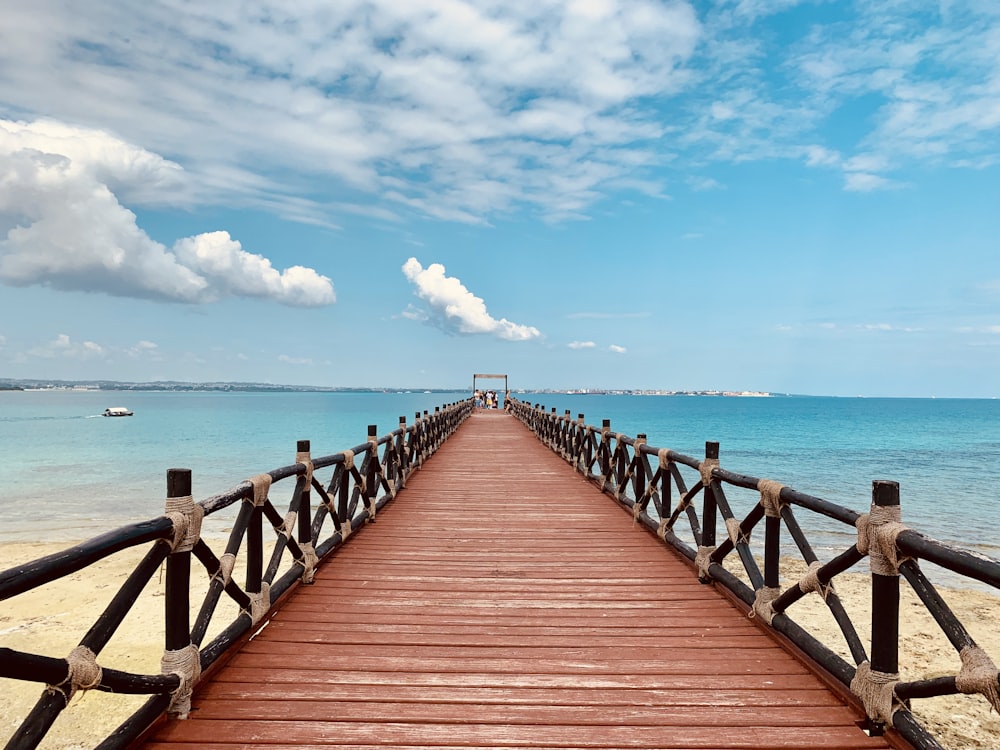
(770, 497)
(261, 486)
(82, 673)
(877, 691)
(877, 532)
(705, 469)
(186, 664)
(763, 603)
(703, 561)
(979, 675)
(186, 516)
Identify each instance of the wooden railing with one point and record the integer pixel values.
(644, 479)
(362, 482)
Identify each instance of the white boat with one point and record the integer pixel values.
(117, 411)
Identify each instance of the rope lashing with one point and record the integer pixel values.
(308, 562)
(877, 532)
(770, 497)
(83, 673)
(661, 530)
(877, 691)
(736, 534)
(261, 486)
(978, 675)
(372, 508)
(705, 469)
(288, 525)
(186, 664)
(226, 565)
(810, 581)
(186, 516)
(331, 504)
(304, 458)
(664, 455)
(703, 561)
(374, 454)
(345, 530)
(260, 603)
(685, 501)
(763, 603)
(348, 460)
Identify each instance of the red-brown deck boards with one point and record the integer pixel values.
(503, 601)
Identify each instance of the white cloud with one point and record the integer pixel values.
(617, 349)
(581, 345)
(63, 347)
(455, 309)
(606, 315)
(864, 182)
(466, 110)
(66, 228)
(294, 360)
(458, 109)
(703, 184)
(818, 156)
(145, 350)
(233, 271)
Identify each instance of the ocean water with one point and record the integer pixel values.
(67, 473)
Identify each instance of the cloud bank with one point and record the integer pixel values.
(62, 225)
(455, 309)
(457, 110)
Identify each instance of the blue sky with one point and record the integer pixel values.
(785, 195)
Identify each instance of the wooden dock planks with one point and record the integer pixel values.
(503, 601)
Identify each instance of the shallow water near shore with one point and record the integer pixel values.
(68, 473)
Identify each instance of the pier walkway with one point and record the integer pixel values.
(501, 600)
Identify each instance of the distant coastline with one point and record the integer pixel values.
(239, 387)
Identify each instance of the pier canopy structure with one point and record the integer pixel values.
(487, 376)
(527, 584)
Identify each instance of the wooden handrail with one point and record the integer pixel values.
(351, 499)
(620, 466)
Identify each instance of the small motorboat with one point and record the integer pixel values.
(117, 411)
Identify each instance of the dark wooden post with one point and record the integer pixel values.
(371, 486)
(603, 457)
(402, 465)
(885, 596)
(304, 510)
(177, 600)
(772, 551)
(708, 509)
(639, 476)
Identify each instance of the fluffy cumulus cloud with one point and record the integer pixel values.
(617, 349)
(581, 345)
(455, 309)
(62, 225)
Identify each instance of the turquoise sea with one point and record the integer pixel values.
(67, 473)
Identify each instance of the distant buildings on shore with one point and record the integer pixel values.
(109, 385)
(658, 392)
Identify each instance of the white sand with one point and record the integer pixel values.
(53, 620)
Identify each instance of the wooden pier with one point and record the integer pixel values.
(502, 600)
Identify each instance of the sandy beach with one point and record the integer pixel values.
(52, 622)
